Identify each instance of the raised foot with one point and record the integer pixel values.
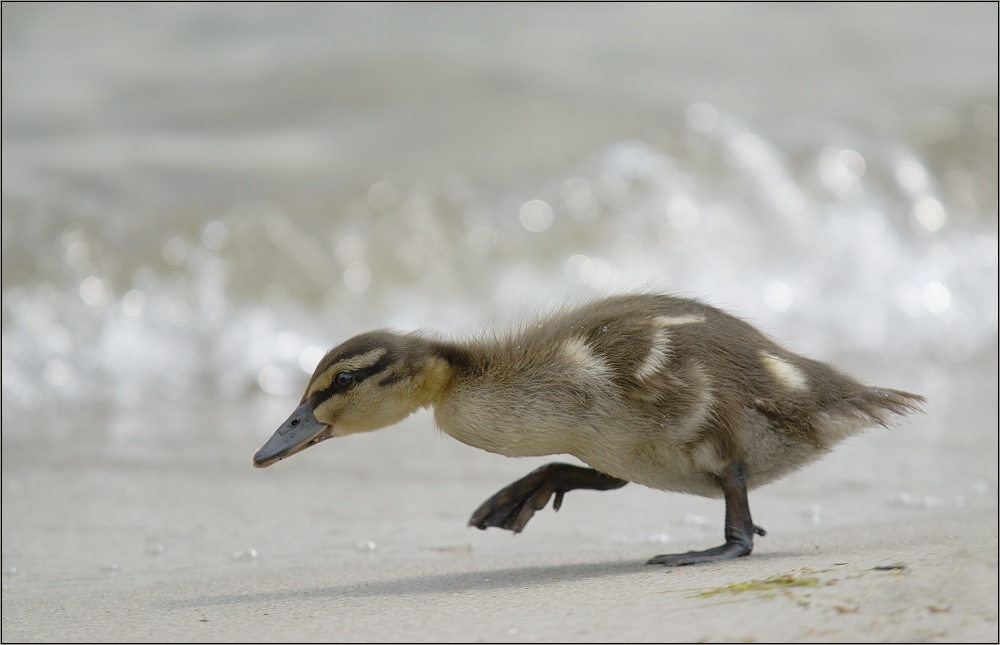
(727, 551)
(513, 505)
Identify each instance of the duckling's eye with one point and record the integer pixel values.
(343, 380)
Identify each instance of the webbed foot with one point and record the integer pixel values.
(727, 551)
(514, 505)
(740, 529)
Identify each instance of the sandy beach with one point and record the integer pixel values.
(357, 540)
(943, 591)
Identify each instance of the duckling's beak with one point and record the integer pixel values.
(298, 432)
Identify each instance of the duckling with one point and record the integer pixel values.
(663, 391)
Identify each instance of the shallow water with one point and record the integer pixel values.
(199, 200)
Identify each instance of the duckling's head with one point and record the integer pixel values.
(369, 382)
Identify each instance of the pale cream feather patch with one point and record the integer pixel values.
(672, 321)
(785, 372)
(580, 354)
(657, 357)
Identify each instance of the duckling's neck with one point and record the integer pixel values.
(444, 363)
(494, 396)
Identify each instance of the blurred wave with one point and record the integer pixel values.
(222, 256)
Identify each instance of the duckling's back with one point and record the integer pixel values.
(659, 390)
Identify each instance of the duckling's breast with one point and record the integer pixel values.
(530, 409)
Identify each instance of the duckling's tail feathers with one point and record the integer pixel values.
(874, 404)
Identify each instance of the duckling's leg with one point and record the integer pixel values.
(740, 528)
(513, 505)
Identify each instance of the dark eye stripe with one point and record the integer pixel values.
(358, 375)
